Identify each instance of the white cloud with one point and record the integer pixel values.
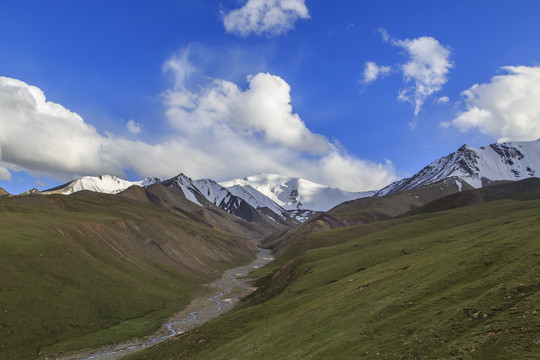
(348, 171)
(253, 130)
(263, 111)
(372, 71)
(5, 174)
(133, 127)
(507, 107)
(274, 17)
(443, 100)
(428, 68)
(44, 136)
(426, 71)
(219, 131)
(180, 66)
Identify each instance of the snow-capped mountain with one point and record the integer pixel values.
(238, 203)
(184, 183)
(509, 161)
(300, 198)
(295, 193)
(108, 184)
(257, 200)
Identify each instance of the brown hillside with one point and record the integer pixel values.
(366, 210)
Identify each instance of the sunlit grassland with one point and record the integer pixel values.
(76, 272)
(460, 284)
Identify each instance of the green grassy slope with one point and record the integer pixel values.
(461, 284)
(82, 270)
(3, 192)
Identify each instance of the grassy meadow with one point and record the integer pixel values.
(458, 284)
(82, 271)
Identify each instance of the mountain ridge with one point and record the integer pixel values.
(241, 200)
(508, 161)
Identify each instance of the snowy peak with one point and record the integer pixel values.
(187, 186)
(280, 189)
(510, 161)
(212, 191)
(257, 200)
(108, 184)
(198, 191)
(294, 193)
(205, 191)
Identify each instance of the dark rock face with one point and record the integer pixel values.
(509, 154)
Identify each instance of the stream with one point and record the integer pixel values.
(226, 292)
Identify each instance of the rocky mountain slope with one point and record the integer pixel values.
(3, 192)
(251, 208)
(173, 198)
(510, 161)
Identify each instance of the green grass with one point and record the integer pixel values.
(461, 284)
(78, 272)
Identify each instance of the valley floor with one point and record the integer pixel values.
(219, 297)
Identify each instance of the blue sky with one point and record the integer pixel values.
(226, 89)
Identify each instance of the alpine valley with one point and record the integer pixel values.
(442, 264)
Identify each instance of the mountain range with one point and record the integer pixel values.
(283, 200)
(289, 201)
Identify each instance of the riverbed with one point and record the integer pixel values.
(225, 293)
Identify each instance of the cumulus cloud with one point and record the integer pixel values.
(263, 111)
(425, 72)
(373, 72)
(133, 127)
(44, 136)
(219, 131)
(348, 170)
(273, 17)
(5, 174)
(507, 107)
(427, 68)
